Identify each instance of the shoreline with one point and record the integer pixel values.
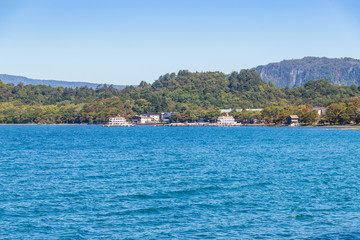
(348, 127)
(51, 124)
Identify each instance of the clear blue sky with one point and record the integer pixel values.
(125, 42)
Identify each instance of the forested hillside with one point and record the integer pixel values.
(295, 73)
(195, 93)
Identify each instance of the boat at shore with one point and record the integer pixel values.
(118, 122)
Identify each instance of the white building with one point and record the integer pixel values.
(230, 110)
(226, 121)
(155, 117)
(145, 120)
(117, 121)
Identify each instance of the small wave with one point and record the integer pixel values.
(301, 216)
(141, 196)
(96, 177)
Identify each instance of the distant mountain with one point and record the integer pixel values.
(54, 83)
(287, 73)
(294, 73)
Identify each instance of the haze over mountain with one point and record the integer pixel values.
(54, 83)
(296, 72)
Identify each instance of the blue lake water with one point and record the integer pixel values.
(90, 182)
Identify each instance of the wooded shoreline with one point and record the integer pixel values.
(191, 96)
(349, 126)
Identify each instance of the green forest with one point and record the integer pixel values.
(193, 95)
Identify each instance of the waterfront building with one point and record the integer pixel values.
(141, 119)
(292, 120)
(118, 122)
(146, 119)
(155, 117)
(226, 121)
(165, 116)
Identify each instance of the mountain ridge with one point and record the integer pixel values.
(286, 73)
(6, 78)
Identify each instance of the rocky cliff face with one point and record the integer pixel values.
(294, 73)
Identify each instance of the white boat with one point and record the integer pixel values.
(118, 122)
